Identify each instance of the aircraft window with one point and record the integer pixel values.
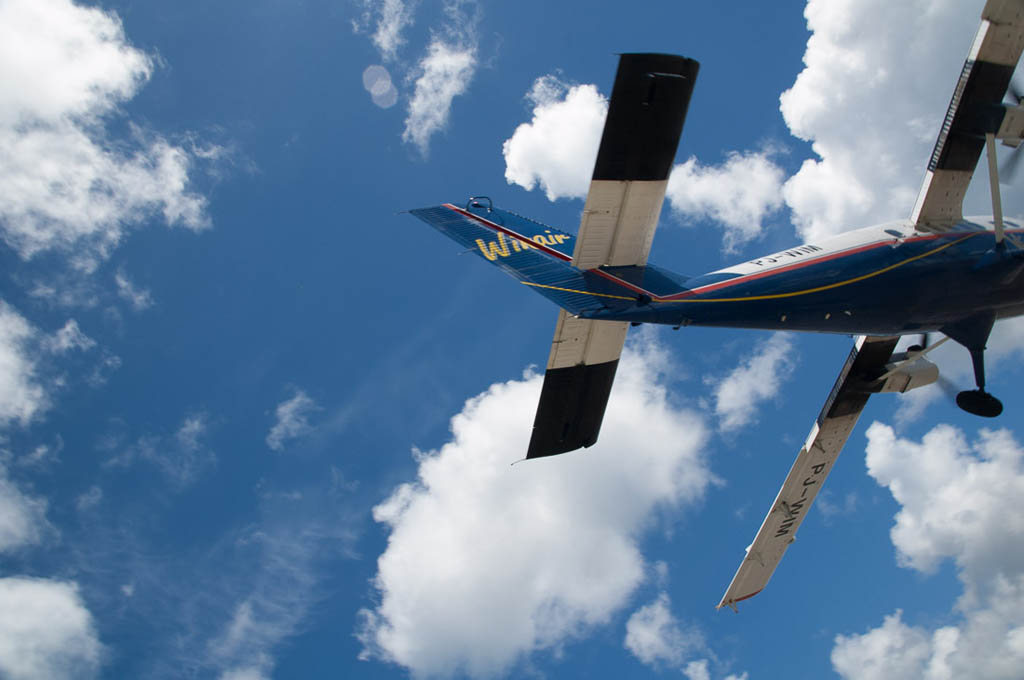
(893, 232)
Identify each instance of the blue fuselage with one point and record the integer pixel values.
(884, 280)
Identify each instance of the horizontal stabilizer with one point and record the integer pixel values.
(571, 408)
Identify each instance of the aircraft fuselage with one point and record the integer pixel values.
(884, 280)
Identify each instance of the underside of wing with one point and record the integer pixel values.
(645, 120)
(975, 110)
(836, 421)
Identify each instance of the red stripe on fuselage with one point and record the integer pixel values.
(710, 288)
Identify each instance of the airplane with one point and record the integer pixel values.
(934, 272)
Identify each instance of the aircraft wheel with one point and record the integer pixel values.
(979, 403)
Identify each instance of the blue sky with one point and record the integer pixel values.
(256, 423)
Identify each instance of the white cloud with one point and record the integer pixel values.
(393, 16)
(21, 395)
(958, 501)
(46, 632)
(487, 564)
(278, 589)
(64, 182)
(738, 194)
(245, 673)
(22, 518)
(444, 73)
(877, 79)
(69, 337)
(180, 458)
(292, 420)
(138, 298)
(655, 637)
(755, 380)
(557, 148)
(697, 670)
(89, 499)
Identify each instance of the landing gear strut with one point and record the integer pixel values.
(973, 333)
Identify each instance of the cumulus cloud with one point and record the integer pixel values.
(46, 632)
(738, 194)
(758, 379)
(958, 501)
(65, 183)
(487, 564)
(876, 82)
(292, 420)
(557, 148)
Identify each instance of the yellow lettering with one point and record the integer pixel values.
(492, 250)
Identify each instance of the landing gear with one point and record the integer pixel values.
(980, 403)
(973, 333)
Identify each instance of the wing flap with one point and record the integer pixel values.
(836, 421)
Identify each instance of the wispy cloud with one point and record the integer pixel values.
(443, 73)
(22, 517)
(69, 337)
(477, 573)
(655, 636)
(757, 379)
(181, 457)
(138, 298)
(22, 396)
(292, 420)
(389, 19)
(65, 183)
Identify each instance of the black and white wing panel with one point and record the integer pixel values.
(641, 133)
(975, 110)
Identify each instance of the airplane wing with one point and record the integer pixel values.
(641, 133)
(867, 361)
(974, 111)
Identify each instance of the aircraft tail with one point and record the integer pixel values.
(537, 255)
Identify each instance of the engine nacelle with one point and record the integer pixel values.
(907, 375)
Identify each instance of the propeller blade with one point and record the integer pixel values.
(1008, 169)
